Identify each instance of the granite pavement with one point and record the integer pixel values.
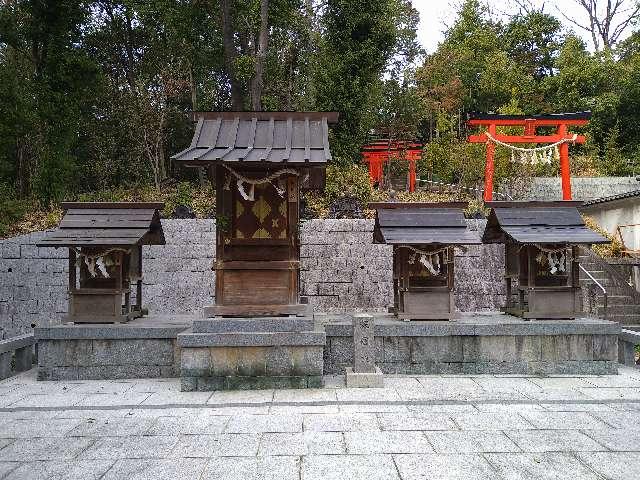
(416, 427)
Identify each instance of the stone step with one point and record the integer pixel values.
(624, 319)
(259, 324)
(624, 309)
(619, 300)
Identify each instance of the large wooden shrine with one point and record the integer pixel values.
(542, 248)
(105, 257)
(259, 162)
(423, 236)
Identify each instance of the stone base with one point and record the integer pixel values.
(248, 353)
(143, 348)
(208, 384)
(480, 344)
(627, 341)
(364, 380)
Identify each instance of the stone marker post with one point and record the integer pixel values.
(364, 372)
(363, 344)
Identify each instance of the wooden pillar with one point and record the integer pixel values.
(412, 175)
(139, 282)
(565, 170)
(72, 270)
(489, 166)
(293, 194)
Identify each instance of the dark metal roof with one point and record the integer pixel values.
(612, 198)
(537, 222)
(553, 116)
(422, 224)
(276, 137)
(101, 224)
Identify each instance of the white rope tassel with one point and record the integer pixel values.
(552, 263)
(544, 154)
(98, 260)
(102, 267)
(259, 181)
(427, 262)
(91, 266)
(247, 196)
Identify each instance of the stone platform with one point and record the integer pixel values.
(251, 353)
(216, 354)
(480, 343)
(143, 348)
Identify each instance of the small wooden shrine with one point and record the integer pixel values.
(423, 236)
(542, 248)
(259, 162)
(105, 257)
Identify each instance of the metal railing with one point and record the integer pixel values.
(612, 273)
(604, 291)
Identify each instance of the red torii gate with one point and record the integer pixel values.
(376, 153)
(560, 121)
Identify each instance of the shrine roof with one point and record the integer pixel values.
(270, 137)
(538, 222)
(422, 224)
(101, 224)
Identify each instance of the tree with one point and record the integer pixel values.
(533, 41)
(55, 82)
(358, 41)
(607, 23)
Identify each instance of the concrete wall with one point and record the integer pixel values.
(582, 188)
(610, 215)
(341, 270)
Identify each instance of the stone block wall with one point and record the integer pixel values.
(32, 281)
(582, 188)
(98, 359)
(342, 270)
(178, 276)
(483, 347)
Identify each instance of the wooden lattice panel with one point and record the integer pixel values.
(263, 218)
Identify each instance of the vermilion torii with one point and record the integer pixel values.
(560, 121)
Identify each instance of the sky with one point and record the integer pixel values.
(434, 14)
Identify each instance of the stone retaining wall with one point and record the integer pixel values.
(586, 347)
(341, 270)
(582, 188)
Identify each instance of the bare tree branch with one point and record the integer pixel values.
(605, 27)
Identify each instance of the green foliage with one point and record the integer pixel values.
(527, 65)
(11, 210)
(344, 179)
(199, 199)
(348, 180)
(358, 42)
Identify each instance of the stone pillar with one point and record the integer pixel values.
(364, 372)
(24, 358)
(363, 344)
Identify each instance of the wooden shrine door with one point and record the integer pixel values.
(257, 268)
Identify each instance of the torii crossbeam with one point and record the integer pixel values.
(560, 121)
